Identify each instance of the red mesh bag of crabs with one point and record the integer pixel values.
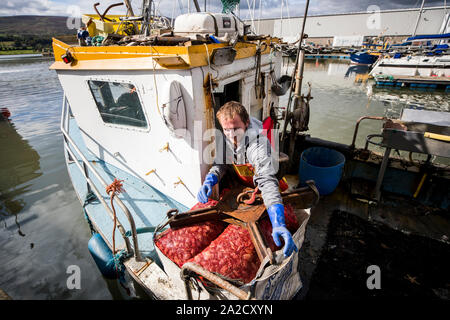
(232, 255)
(181, 244)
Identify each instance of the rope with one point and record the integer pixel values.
(156, 87)
(118, 260)
(114, 188)
(89, 198)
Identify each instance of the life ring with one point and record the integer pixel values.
(174, 109)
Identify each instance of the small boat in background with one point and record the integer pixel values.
(418, 56)
(363, 58)
(370, 51)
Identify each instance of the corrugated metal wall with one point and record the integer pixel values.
(393, 23)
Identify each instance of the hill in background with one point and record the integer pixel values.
(34, 25)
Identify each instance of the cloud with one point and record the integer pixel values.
(269, 8)
(55, 7)
(30, 7)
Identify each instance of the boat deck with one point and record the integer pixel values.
(374, 246)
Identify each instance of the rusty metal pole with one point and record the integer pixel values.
(295, 71)
(298, 72)
(297, 102)
(190, 266)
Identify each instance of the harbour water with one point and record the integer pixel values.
(42, 228)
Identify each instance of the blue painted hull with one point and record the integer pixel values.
(363, 58)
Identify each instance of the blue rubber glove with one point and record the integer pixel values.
(206, 189)
(276, 215)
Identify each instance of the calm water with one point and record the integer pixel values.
(42, 228)
(341, 97)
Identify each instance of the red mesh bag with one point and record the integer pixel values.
(181, 244)
(291, 224)
(232, 255)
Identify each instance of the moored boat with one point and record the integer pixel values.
(363, 58)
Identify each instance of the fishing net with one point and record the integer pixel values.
(229, 5)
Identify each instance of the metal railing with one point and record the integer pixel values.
(355, 133)
(85, 168)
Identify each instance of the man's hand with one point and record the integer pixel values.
(276, 215)
(206, 189)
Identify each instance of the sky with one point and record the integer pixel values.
(269, 8)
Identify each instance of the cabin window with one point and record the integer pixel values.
(118, 103)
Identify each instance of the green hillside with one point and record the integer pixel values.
(29, 34)
(34, 25)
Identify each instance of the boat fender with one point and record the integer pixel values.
(102, 256)
(174, 110)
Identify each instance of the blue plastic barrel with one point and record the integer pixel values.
(324, 166)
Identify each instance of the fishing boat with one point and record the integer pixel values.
(138, 115)
(140, 108)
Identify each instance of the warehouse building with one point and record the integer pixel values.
(324, 29)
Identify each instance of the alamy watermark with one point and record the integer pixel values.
(74, 279)
(74, 17)
(230, 147)
(374, 20)
(374, 280)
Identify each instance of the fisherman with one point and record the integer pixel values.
(83, 37)
(251, 151)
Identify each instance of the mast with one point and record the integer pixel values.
(299, 113)
(197, 7)
(418, 18)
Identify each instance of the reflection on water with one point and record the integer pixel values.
(36, 192)
(356, 70)
(396, 98)
(19, 164)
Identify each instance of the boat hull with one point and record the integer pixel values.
(423, 66)
(363, 58)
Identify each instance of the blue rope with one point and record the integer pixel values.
(117, 262)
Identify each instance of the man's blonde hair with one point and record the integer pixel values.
(230, 109)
